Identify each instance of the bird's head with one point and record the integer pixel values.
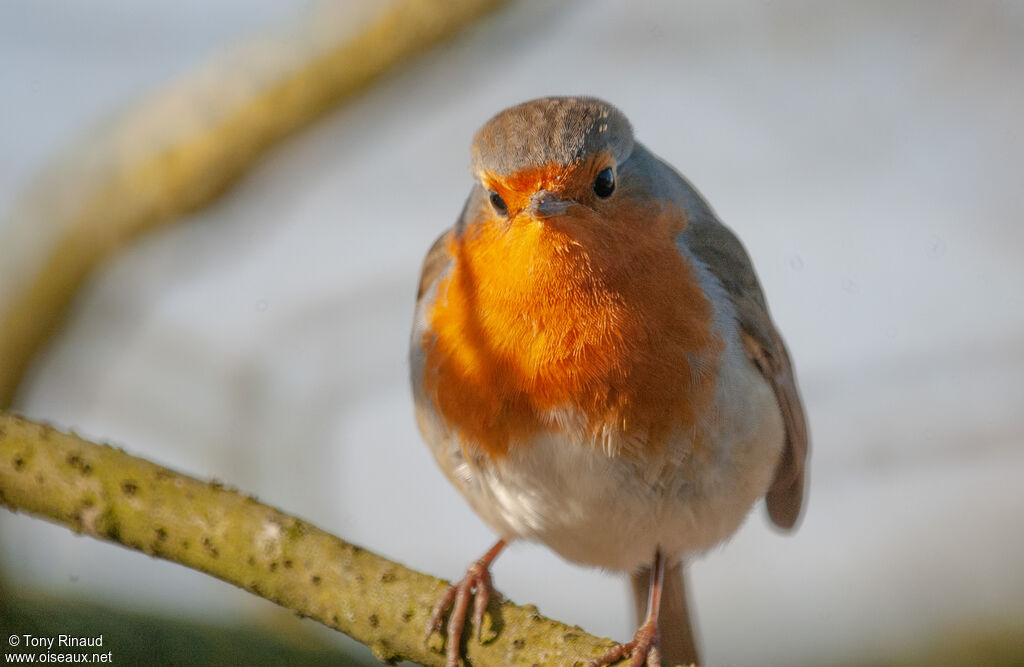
(543, 158)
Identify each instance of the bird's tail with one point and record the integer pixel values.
(675, 626)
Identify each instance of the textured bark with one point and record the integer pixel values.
(180, 149)
(101, 491)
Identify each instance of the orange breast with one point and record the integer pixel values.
(600, 316)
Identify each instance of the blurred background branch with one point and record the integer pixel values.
(181, 148)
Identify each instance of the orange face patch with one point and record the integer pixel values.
(600, 315)
(516, 189)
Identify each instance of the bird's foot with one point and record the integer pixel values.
(476, 584)
(643, 649)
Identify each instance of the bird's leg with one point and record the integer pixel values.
(478, 581)
(644, 647)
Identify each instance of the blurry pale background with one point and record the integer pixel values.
(870, 155)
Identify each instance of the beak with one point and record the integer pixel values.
(546, 204)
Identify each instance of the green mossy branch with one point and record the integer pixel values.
(101, 491)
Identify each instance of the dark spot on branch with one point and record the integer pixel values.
(374, 621)
(570, 636)
(388, 576)
(273, 566)
(287, 563)
(79, 464)
(19, 463)
(519, 644)
(209, 548)
(335, 620)
(216, 483)
(185, 545)
(251, 561)
(161, 534)
(163, 474)
(407, 615)
(315, 579)
(129, 488)
(299, 614)
(111, 527)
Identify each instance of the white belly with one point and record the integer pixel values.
(612, 512)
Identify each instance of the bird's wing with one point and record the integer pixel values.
(717, 247)
(438, 258)
(434, 263)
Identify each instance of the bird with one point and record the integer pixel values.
(594, 367)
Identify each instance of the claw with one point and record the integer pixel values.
(483, 595)
(642, 650)
(476, 582)
(437, 615)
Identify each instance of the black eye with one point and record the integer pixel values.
(500, 207)
(604, 184)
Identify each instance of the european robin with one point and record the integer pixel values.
(594, 366)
